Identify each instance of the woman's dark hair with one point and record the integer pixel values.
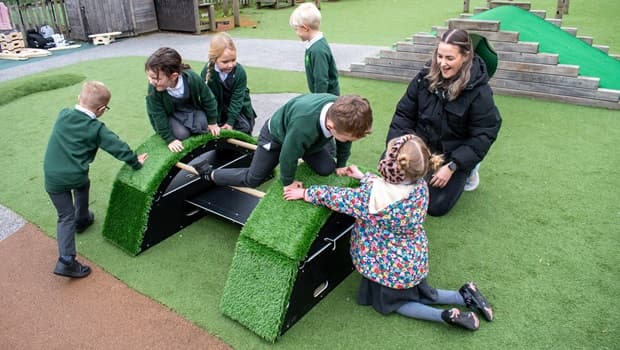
(165, 60)
(454, 86)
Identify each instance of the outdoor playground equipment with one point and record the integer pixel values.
(13, 47)
(289, 255)
(104, 38)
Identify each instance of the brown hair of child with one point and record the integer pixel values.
(351, 115)
(165, 60)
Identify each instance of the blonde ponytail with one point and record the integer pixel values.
(436, 161)
(208, 75)
(415, 159)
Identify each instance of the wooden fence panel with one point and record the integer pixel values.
(75, 19)
(36, 13)
(144, 16)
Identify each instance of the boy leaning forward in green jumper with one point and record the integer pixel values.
(300, 129)
(73, 144)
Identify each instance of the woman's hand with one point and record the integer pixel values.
(175, 146)
(441, 177)
(142, 158)
(214, 129)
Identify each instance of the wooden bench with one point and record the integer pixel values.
(274, 3)
(104, 38)
(209, 23)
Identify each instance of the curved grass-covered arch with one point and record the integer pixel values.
(136, 195)
(289, 255)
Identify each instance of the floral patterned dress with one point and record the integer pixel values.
(389, 248)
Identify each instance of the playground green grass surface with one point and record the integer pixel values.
(592, 62)
(539, 235)
(372, 22)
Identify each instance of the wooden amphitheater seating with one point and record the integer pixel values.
(522, 69)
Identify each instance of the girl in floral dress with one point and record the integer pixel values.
(389, 247)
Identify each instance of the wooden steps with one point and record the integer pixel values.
(527, 6)
(521, 71)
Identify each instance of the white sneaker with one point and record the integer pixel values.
(472, 181)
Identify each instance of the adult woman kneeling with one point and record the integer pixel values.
(450, 106)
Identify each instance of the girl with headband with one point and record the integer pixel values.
(389, 247)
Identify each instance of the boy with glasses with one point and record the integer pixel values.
(75, 139)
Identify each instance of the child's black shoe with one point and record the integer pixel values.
(463, 319)
(71, 269)
(476, 301)
(204, 170)
(206, 174)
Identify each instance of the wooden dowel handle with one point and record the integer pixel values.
(251, 191)
(242, 144)
(187, 167)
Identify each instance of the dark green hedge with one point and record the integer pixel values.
(12, 90)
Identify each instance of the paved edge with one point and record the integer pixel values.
(9, 222)
(98, 312)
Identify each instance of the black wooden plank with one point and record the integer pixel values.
(226, 202)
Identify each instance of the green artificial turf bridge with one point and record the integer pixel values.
(289, 254)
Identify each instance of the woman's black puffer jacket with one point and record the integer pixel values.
(463, 130)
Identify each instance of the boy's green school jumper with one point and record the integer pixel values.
(73, 144)
(240, 102)
(321, 71)
(296, 126)
(160, 108)
(294, 131)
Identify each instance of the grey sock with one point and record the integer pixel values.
(420, 311)
(449, 297)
